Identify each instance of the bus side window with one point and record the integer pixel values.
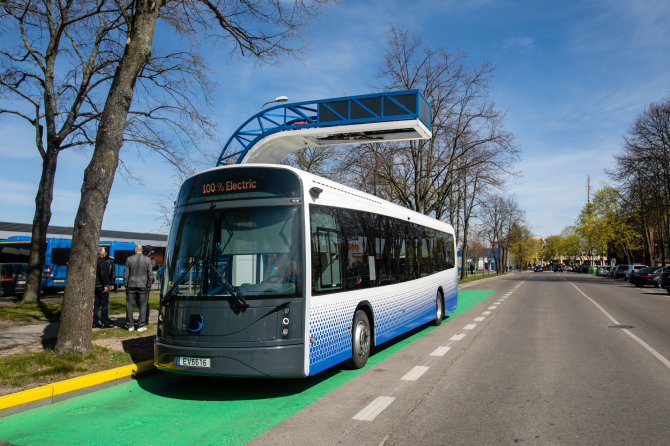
(326, 255)
(326, 261)
(60, 256)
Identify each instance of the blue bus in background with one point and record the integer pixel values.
(17, 249)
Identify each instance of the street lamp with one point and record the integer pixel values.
(277, 99)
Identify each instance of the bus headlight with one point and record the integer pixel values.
(285, 322)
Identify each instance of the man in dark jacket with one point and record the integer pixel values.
(103, 284)
(137, 278)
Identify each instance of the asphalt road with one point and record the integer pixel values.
(546, 360)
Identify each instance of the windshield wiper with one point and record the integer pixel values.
(202, 257)
(231, 289)
(179, 280)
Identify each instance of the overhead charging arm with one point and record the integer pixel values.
(273, 133)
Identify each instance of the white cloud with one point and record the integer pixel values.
(518, 43)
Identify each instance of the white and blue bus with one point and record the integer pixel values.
(274, 272)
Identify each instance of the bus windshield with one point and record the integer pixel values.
(247, 252)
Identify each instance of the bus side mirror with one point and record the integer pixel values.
(315, 192)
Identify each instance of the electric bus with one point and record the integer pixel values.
(270, 271)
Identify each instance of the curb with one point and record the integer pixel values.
(55, 392)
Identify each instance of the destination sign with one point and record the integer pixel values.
(234, 183)
(229, 186)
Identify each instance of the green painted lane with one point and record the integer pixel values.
(166, 408)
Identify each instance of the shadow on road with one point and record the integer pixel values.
(139, 349)
(207, 388)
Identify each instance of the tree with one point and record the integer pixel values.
(59, 104)
(570, 245)
(57, 69)
(643, 176)
(320, 160)
(276, 25)
(499, 216)
(522, 245)
(616, 225)
(469, 151)
(591, 231)
(552, 248)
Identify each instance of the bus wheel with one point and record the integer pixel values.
(439, 311)
(360, 340)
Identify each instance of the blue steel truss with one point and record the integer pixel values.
(372, 108)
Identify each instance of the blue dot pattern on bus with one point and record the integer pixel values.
(330, 317)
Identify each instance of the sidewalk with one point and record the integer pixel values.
(25, 334)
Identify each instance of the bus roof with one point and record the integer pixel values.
(336, 194)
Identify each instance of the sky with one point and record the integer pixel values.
(570, 76)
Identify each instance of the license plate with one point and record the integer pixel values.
(59, 281)
(20, 282)
(193, 362)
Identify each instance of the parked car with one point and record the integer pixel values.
(620, 271)
(538, 269)
(13, 278)
(665, 279)
(647, 276)
(631, 268)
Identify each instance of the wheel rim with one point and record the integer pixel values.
(439, 312)
(361, 339)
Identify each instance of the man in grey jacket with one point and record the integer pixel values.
(137, 278)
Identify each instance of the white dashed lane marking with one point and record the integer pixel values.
(370, 412)
(440, 351)
(377, 406)
(415, 373)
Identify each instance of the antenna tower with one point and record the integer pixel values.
(588, 189)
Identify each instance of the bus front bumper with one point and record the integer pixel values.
(285, 361)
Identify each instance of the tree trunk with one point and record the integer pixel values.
(74, 334)
(38, 241)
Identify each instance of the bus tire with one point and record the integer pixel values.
(360, 340)
(439, 309)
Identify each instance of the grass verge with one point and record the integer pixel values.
(479, 277)
(33, 365)
(49, 307)
(34, 369)
(30, 370)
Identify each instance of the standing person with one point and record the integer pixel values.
(103, 284)
(138, 278)
(149, 252)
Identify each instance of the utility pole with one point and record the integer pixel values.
(588, 189)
